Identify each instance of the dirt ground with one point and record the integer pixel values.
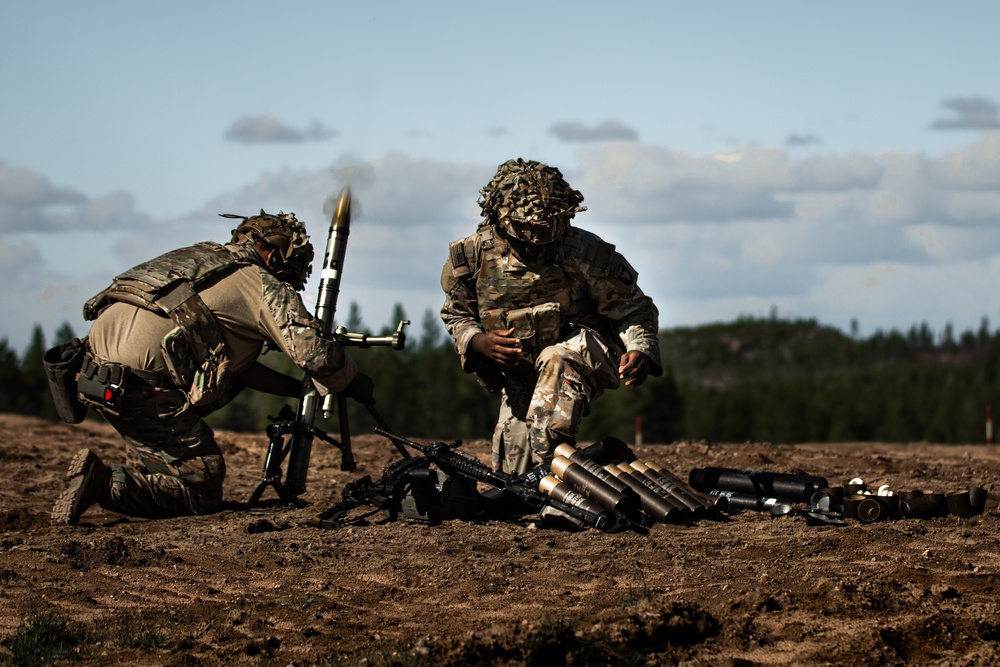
(264, 587)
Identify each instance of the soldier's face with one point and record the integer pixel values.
(538, 230)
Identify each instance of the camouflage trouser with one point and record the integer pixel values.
(175, 467)
(540, 410)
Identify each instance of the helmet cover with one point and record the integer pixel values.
(286, 235)
(531, 201)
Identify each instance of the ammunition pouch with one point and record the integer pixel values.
(193, 351)
(536, 327)
(101, 385)
(105, 385)
(62, 364)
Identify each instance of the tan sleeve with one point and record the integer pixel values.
(285, 321)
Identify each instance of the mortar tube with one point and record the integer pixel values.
(563, 492)
(590, 485)
(655, 506)
(676, 491)
(709, 501)
(591, 466)
(654, 487)
(798, 488)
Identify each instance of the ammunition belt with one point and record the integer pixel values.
(121, 374)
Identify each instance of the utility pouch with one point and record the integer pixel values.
(101, 385)
(536, 327)
(211, 378)
(202, 383)
(179, 358)
(62, 363)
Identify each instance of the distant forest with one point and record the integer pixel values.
(754, 379)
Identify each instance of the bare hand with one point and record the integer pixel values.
(633, 368)
(499, 348)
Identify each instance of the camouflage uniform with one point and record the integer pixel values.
(576, 307)
(176, 467)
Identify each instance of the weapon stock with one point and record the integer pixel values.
(384, 494)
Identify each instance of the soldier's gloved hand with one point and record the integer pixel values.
(633, 368)
(498, 347)
(361, 389)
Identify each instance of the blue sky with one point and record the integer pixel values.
(837, 161)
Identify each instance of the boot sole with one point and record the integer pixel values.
(80, 463)
(63, 510)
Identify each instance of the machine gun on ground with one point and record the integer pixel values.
(387, 493)
(300, 424)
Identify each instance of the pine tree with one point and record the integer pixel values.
(64, 334)
(35, 397)
(10, 378)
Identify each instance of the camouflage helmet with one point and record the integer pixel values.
(530, 200)
(294, 253)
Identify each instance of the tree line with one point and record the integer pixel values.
(754, 379)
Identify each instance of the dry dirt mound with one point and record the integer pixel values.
(263, 587)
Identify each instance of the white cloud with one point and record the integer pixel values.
(971, 113)
(609, 130)
(651, 184)
(974, 167)
(891, 239)
(24, 188)
(265, 128)
(802, 140)
(29, 202)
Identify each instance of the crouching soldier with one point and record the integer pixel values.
(176, 338)
(544, 312)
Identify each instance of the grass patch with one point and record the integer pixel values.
(143, 635)
(45, 638)
(636, 594)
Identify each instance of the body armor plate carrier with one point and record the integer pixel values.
(193, 350)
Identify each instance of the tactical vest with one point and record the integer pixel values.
(193, 350)
(540, 300)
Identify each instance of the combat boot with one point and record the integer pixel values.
(89, 483)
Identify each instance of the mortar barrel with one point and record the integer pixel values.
(797, 488)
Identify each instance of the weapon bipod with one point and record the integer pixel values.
(277, 449)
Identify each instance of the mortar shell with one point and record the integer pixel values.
(563, 492)
(676, 491)
(601, 473)
(654, 505)
(590, 485)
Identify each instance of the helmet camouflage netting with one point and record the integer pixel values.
(530, 200)
(287, 235)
